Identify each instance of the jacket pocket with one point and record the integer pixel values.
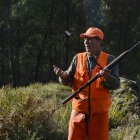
(99, 83)
(80, 105)
(79, 78)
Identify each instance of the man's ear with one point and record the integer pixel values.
(100, 42)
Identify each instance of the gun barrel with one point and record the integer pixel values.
(81, 88)
(116, 60)
(109, 66)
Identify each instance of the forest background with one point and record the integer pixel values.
(33, 39)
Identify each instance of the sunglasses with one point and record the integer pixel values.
(95, 38)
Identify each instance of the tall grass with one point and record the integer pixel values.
(35, 113)
(125, 133)
(124, 113)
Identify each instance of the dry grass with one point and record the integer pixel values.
(35, 113)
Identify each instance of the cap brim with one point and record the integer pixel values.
(84, 35)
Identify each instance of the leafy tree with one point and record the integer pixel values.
(123, 31)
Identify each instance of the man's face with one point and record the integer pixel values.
(92, 44)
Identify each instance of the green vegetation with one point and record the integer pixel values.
(35, 113)
(126, 133)
(124, 113)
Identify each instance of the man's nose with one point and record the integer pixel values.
(86, 41)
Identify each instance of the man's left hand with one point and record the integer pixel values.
(105, 73)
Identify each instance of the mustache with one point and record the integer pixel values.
(89, 45)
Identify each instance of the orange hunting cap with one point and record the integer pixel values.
(92, 32)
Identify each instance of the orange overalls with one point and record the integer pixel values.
(99, 103)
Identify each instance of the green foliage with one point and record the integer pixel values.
(32, 36)
(119, 110)
(124, 113)
(122, 32)
(125, 103)
(34, 112)
(125, 133)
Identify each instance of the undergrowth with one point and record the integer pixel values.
(35, 113)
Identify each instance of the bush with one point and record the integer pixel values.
(34, 112)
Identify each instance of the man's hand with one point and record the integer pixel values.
(62, 74)
(105, 73)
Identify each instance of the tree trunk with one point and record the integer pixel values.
(39, 56)
(2, 64)
(43, 45)
(17, 54)
(13, 51)
(67, 37)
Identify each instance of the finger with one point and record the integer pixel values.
(54, 67)
(107, 70)
(58, 71)
(104, 73)
(101, 72)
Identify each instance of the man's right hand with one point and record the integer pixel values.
(62, 74)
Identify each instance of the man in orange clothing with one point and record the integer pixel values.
(89, 116)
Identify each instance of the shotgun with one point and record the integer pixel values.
(108, 67)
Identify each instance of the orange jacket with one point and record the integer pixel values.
(99, 96)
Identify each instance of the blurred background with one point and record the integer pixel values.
(36, 34)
